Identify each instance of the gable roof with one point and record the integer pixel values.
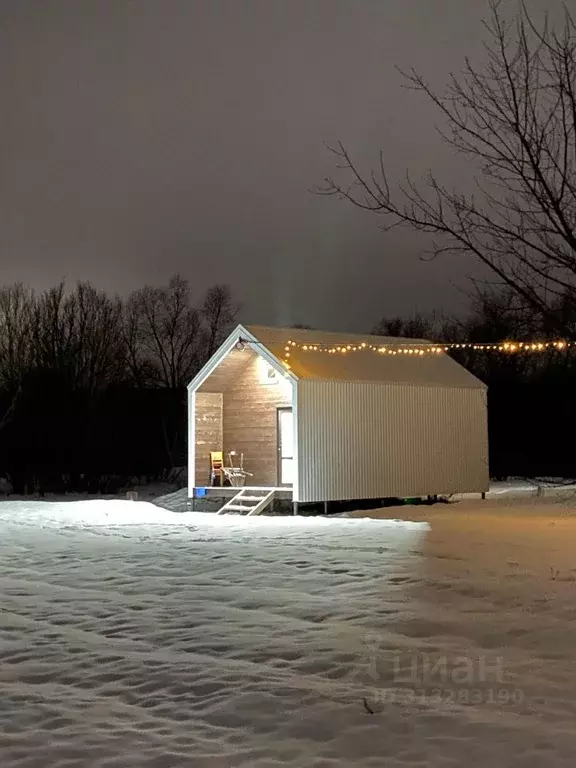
(433, 369)
(367, 365)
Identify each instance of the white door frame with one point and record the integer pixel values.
(279, 410)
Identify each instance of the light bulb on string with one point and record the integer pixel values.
(421, 349)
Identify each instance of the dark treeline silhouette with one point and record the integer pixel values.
(92, 387)
(531, 396)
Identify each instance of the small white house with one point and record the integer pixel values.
(334, 416)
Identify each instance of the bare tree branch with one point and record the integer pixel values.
(515, 120)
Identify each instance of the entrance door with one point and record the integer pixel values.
(285, 446)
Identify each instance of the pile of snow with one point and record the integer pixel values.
(132, 636)
(120, 513)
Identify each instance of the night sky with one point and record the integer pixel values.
(140, 138)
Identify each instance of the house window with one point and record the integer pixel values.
(268, 374)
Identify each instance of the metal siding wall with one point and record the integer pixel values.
(371, 440)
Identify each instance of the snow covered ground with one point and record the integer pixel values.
(131, 636)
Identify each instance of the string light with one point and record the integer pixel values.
(426, 348)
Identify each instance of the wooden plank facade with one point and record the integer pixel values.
(242, 418)
(208, 432)
(250, 422)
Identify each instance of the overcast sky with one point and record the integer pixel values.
(143, 137)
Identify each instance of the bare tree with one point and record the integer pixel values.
(96, 319)
(515, 119)
(78, 335)
(415, 327)
(139, 367)
(218, 313)
(497, 315)
(162, 334)
(16, 313)
(52, 332)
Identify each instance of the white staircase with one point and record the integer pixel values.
(248, 501)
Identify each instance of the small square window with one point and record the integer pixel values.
(268, 374)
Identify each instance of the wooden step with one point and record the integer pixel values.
(258, 505)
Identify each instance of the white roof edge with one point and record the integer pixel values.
(238, 334)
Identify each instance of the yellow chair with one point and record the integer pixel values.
(216, 468)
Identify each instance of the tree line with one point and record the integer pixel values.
(92, 386)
